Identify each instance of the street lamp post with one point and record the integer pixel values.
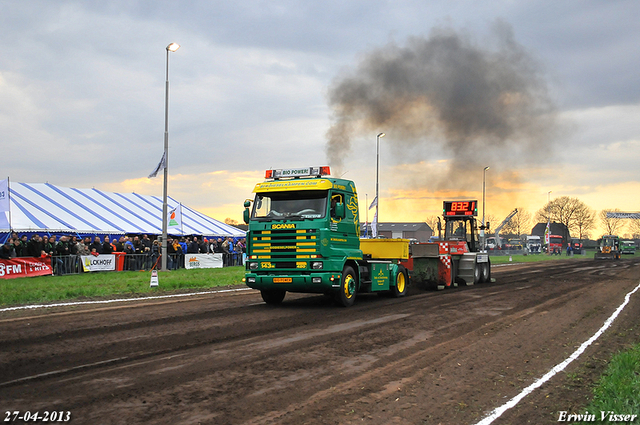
(484, 225)
(547, 235)
(377, 179)
(170, 48)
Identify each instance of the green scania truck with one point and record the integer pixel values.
(304, 236)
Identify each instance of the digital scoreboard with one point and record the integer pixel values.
(460, 208)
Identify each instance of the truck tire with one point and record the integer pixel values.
(272, 297)
(477, 274)
(486, 272)
(346, 296)
(400, 288)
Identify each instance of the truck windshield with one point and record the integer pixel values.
(460, 230)
(290, 205)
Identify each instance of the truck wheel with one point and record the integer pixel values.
(477, 273)
(486, 272)
(273, 297)
(348, 285)
(400, 289)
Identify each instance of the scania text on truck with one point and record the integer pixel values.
(304, 236)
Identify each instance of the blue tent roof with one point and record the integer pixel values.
(43, 207)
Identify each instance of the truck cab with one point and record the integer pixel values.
(304, 236)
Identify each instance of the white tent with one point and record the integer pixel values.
(43, 207)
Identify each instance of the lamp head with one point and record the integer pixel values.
(173, 47)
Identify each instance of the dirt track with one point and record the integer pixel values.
(445, 357)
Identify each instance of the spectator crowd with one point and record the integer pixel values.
(142, 253)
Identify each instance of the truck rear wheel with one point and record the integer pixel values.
(346, 296)
(486, 272)
(272, 297)
(477, 273)
(400, 288)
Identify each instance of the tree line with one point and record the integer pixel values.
(581, 220)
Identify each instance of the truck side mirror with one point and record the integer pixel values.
(245, 215)
(340, 212)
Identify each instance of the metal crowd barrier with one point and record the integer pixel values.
(72, 264)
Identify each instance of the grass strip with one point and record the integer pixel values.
(42, 289)
(618, 390)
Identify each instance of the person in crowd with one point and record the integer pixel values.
(24, 249)
(106, 246)
(219, 248)
(96, 246)
(226, 253)
(128, 249)
(63, 251)
(213, 246)
(73, 244)
(62, 247)
(138, 249)
(17, 247)
(194, 247)
(128, 245)
(146, 244)
(83, 247)
(204, 246)
(241, 247)
(183, 245)
(155, 253)
(177, 254)
(6, 252)
(53, 242)
(46, 246)
(119, 244)
(232, 251)
(34, 246)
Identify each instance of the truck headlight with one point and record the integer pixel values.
(253, 266)
(316, 280)
(316, 265)
(251, 280)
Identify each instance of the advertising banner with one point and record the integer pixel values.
(25, 266)
(174, 222)
(100, 263)
(203, 261)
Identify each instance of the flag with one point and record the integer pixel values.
(547, 232)
(4, 204)
(374, 226)
(374, 202)
(174, 223)
(160, 166)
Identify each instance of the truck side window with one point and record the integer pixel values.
(335, 199)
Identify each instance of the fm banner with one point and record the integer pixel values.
(25, 266)
(103, 262)
(203, 261)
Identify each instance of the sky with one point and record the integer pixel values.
(545, 93)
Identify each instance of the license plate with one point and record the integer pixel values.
(282, 280)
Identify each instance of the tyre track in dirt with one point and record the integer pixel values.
(231, 360)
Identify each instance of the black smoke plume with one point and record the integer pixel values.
(473, 103)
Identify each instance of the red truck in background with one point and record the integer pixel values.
(555, 245)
